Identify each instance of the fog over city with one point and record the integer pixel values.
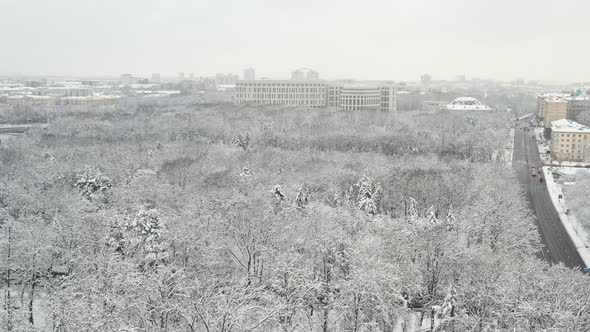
(294, 166)
(503, 39)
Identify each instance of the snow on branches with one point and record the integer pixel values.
(366, 194)
(140, 234)
(242, 141)
(91, 183)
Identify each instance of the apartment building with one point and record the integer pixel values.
(570, 141)
(554, 108)
(360, 98)
(575, 104)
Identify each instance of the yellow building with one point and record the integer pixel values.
(89, 100)
(570, 141)
(554, 108)
(31, 100)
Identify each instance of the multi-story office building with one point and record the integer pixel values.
(360, 98)
(249, 74)
(570, 141)
(550, 96)
(269, 92)
(317, 94)
(388, 97)
(553, 108)
(333, 99)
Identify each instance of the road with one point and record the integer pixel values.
(557, 245)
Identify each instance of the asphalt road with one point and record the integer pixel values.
(557, 245)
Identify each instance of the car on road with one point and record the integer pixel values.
(533, 171)
(540, 169)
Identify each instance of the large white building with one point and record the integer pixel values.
(381, 96)
(466, 104)
(271, 92)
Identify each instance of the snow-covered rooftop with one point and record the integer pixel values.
(569, 126)
(466, 104)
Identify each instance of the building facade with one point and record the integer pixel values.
(317, 94)
(360, 98)
(271, 92)
(31, 100)
(554, 108)
(570, 141)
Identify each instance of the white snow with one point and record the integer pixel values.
(569, 221)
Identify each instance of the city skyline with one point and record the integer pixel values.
(380, 40)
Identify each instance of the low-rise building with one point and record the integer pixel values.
(570, 141)
(89, 100)
(31, 100)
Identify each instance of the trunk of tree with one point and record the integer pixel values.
(8, 303)
(31, 299)
(432, 313)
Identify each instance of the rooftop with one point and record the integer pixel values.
(466, 104)
(565, 125)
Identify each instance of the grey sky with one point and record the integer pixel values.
(369, 39)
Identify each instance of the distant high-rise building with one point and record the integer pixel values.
(298, 75)
(518, 82)
(127, 79)
(226, 79)
(156, 78)
(181, 76)
(312, 75)
(191, 76)
(249, 74)
(461, 78)
(426, 80)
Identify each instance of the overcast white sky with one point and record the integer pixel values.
(369, 39)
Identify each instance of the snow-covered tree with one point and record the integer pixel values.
(91, 182)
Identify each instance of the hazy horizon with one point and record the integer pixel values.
(503, 40)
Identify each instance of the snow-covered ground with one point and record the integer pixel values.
(577, 233)
(508, 150)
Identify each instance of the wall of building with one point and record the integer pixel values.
(294, 93)
(554, 110)
(570, 146)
